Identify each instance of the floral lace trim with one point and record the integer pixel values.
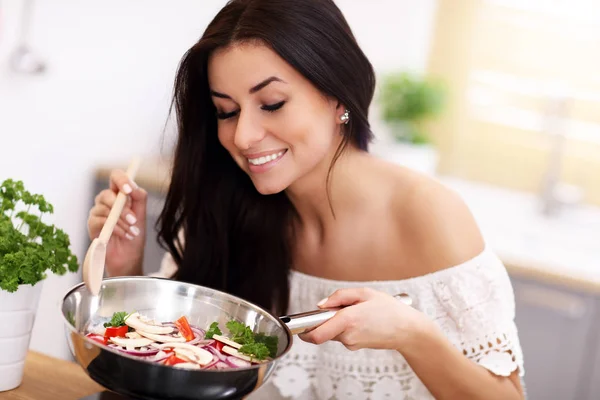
(329, 373)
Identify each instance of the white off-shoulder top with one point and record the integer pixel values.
(473, 304)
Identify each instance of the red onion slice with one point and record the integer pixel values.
(237, 362)
(221, 356)
(222, 365)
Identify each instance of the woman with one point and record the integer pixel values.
(275, 198)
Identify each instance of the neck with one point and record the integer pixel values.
(327, 190)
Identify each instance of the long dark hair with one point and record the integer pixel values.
(236, 239)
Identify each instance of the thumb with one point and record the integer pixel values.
(139, 199)
(346, 297)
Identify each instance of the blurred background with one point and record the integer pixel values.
(499, 99)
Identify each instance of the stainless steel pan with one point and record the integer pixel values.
(167, 300)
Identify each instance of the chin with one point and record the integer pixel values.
(266, 188)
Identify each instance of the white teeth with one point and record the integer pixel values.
(265, 159)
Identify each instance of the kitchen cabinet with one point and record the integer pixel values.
(593, 391)
(557, 329)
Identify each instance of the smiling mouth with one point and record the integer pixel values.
(265, 159)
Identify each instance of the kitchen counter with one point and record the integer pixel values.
(561, 250)
(49, 378)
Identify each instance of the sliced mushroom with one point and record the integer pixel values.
(136, 323)
(204, 356)
(227, 341)
(133, 335)
(162, 338)
(131, 343)
(188, 355)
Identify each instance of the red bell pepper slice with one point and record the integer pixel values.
(184, 328)
(219, 345)
(173, 359)
(113, 331)
(98, 338)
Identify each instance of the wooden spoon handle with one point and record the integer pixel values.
(117, 208)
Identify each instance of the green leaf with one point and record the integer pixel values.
(30, 249)
(255, 350)
(240, 333)
(271, 343)
(213, 330)
(118, 319)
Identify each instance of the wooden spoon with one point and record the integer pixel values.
(93, 264)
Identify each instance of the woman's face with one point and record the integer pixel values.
(274, 123)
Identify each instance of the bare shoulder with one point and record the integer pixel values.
(435, 223)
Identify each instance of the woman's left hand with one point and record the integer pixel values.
(372, 319)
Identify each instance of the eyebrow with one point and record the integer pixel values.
(253, 89)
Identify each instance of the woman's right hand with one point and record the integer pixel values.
(125, 251)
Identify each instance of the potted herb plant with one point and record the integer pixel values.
(29, 247)
(407, 103)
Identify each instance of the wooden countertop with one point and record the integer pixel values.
(49, 378)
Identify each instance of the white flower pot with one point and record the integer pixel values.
(17, 313)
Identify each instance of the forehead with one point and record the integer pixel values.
(241, 66)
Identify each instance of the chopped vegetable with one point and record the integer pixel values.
(258, 346)
(184, 328)
(255, 350)
(118, 319)
(173, 359)
(162, 338)
(98, 338)
(213, 330)
(120, 331)
(183, 345)
(136, 323)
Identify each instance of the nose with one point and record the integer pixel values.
(248, 131)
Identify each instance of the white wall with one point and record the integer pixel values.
(106, 92)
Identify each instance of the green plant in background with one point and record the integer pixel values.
(28, 246)
(407, 101)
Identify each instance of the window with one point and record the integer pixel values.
(521, 75)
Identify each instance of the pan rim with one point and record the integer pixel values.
(246, 303)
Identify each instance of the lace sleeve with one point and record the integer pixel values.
(476, 312)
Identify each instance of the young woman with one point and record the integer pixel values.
(274, 198)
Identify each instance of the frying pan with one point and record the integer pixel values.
(166, 300)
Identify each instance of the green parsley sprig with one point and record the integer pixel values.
(118, 319)
(255, 345)
(28, 246)
(213, 330)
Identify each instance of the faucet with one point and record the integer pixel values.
(554, 193)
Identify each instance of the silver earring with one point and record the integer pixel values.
(345, 117)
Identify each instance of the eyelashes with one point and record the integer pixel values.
(268, 107)
(273, 107)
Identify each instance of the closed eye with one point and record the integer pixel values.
(226, 115)
(267, 107)
(273, 107)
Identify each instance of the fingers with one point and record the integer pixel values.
(347, 297)
(137, 197)
(95, 226)
(139, 200)
(119, 181)
(98, 214)
(330, 329)
(126, 221)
